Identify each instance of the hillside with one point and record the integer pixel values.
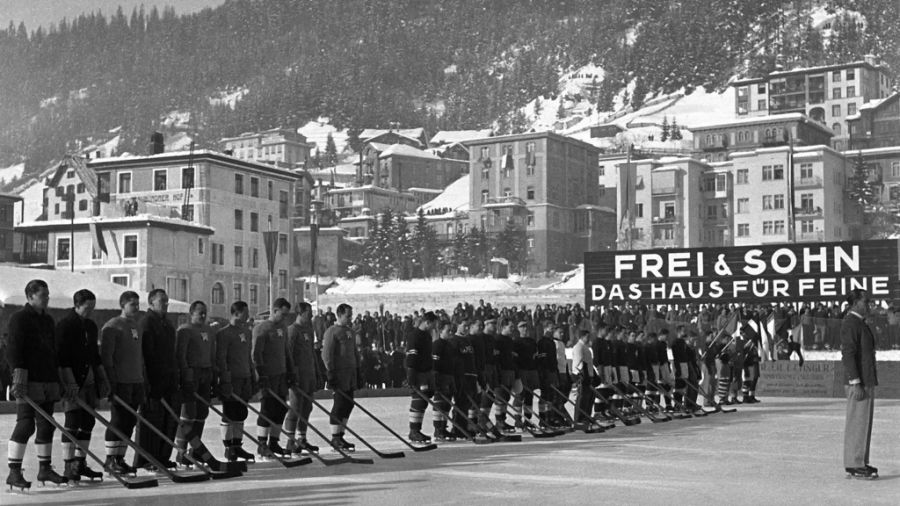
(457, 64)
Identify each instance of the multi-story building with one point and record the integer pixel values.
(356, 200)
(192, 223)
(767, 195)
(546, 184)
(7, 211)
(877, 124)
(716, 142)
(884, 168)
(414, 137)
(828, 94)
(400, 166)
(281, 146)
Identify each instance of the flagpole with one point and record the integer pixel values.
(72, 232)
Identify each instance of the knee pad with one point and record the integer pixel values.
(418, 405)
(44, 432)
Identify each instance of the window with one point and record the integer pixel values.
(712, 211)
(895, 169)
(63, 249)
(806, 202)
(238, 256)
(282, 279)
(529, 170)
(485, 153)
(778, 172)
(767, 202)
(851, 109)
(529, 193)
(61, 190)
(836, 110)
(119, 279)
(761, 88)
(200, 246)
(836, 128)
(806, 171)
(283, 204)
(529, 219)
(836, 76)
(254, 294)
(767, 173)
(601, 171)
(484, 196)
(836, 93)
(282, 244)
(218, 293)
(70, 174)
(485, 172)
(187, 177)
(271, 190)
(218, 253)
(159, 180)
(779, 227)
(79, 188)
(851, 74)
(507, 192)
(254, 258)
(639, 210)
(131, 246)
(601, 190)
(56, 208)
(743, 176)
(238, 291)
(254, 187)
(124, 182)
(743, 206)
(851, 91)
(768, 227)
(806, 226)
(254, 222)
(82, 205)
(238, 219)
(761, 105)
(177, 288)
(187, 212)
(239, 184)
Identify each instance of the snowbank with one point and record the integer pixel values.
(365, 285)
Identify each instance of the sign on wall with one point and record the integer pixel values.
(767, 273)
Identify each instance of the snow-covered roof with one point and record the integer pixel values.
(455, 197)
(404, 150)
(9, 196)
(873, 151)
(454, 136)
(63, 284)
(137, 219)
(412, 133)
(198, 153)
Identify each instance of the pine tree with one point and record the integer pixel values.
(561, 110)
(665, 129)
(538, 108)
(403, 249)
(330, 151)
(476, 245)
(860, 189)
(865, 191)
(461, 256)
(510, 244)
(676, 130)
(425, 247)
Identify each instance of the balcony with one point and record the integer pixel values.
(666, 190)
(497, 202)
(808, 182)
(807, 212)
(814, 236)
(666, 220)
(716, 145)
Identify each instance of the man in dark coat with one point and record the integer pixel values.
(858, 358)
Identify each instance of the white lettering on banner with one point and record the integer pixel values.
(806, 285)
(821, 259)
(621, 265)
(780, 288)
(655, 268)
(634, 291)
(678, 263)
(783, 269)
(739, 286)
(715, 290)
(657, 291)
(755, 266)
(851, 261)
(826, 287)
(598, 292)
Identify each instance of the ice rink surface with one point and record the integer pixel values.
(782, 451)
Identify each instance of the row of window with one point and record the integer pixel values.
(161, 183)
(486, 194)
(217, 256)
(129, 251)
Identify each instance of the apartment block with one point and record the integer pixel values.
(7, 205)
(281, 146)
(877, 124)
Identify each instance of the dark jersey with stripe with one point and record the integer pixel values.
(503, 346)
(525, 349)
(444, 354)
(419, 351)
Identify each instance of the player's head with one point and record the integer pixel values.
(198, 312)
(37, 294)
(344, 314)
(158, 301)
(240, 312)
(280, 308)
(130, 302)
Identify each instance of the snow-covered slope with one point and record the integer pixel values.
(11, 173)
(455, 197)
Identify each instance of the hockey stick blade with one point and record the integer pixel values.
(215, 474)
(413, 447)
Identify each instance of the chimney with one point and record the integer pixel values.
(871, 59)
(157, 143)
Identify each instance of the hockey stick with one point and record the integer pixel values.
(216, 475)
(343, 459)
(718, 407)
(486, 429)
(281, 460)
(450, 418)
(174, 476)
(591, 427)
(637, 405)
(528, 426)
(614, 410)
(230, 467)
(384, 455)
(423, 448)
(558, 432)
(126, 481)
(661, 389)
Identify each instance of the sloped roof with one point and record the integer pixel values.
(454, 136)
(85, 174)
(404, 150)
(454, 197)
(412, 133)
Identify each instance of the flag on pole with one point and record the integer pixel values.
(270, 239)
(97, 238)
(313, 246)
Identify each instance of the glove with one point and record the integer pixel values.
(225, 391)
(262, 383)
(857, 392)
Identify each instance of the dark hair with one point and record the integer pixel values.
(585, 333)
(281, 303)
(429, 316)
(504, 322)
(156, 292)
(195, 305)
(83, 296)
(128, 296)
(855, 295)
(238, 306)
(343, 308)
(444, 325)
(34, 286)
(663, 332)
(303, 307)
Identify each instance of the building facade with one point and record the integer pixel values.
(716, 142)
(7, 222)
(877, 125)
(827, 94)
(401, 167)
(281, 146)
(546, 184)
(191, 223)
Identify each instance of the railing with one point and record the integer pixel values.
(666, 220)
(666, 190)
(815, 235)
(504, 201)
(808, 212)
(808, 182)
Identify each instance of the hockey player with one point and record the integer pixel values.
(548, 377)
(679, 363)
(32, 357)
(490, 375)
(233, 359)
(339, 355)
(420, 374)
(751, 368)
(602, 352)
(564, 379)
(271, 360)
(583, 373)
(506, 372)
(664, 373)
(301, 337)
(525, 349)
(122, 354)
(82, 377)
(195, 351)
(158, 342)
(466, 378)
(444, 356)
